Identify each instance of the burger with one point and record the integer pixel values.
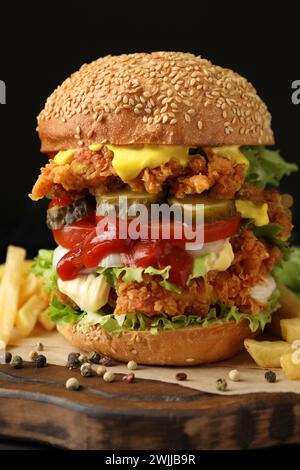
(162, 128)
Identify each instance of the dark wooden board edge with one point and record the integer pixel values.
(35, 405)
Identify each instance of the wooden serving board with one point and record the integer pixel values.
(146, 414)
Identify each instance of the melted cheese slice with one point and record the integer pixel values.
(221, 259)
(130, 160)
(88, 291)
(257, 212)
(233, 153)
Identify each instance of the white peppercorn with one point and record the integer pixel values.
(86, 369)
(132, 365)
(83, 358)
(234, 375)
(100, 370)
(33, 355)
(72, 384)
(109, 376)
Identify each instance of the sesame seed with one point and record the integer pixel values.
(162, 81)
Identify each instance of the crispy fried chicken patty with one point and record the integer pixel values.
(94, 171)
(253, 260)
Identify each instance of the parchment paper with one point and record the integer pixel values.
(202, 378)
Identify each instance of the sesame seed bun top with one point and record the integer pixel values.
(160, 98)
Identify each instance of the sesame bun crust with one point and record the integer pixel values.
(160, 98)
(182, 347)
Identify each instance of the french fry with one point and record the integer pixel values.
(2, 266)
(45, 320)
(9, 290)
(267, 353)
(30, 285)
(28, 314)
(291, 370)
(290, 329)
(290, 308)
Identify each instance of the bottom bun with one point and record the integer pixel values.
(184, 346)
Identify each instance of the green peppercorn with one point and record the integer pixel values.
(221, 385)
(40, 361)
(94, 357)
(16, 362)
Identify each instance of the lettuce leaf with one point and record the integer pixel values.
(288, 272)
(199, 268)
(136, 274)
(43, 266)
(270, 233)
(266, 166)
(115, 324)
(62, 314)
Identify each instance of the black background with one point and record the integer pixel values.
(41, 43)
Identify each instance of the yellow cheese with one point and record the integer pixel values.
(249, 210)
(220, 260)
(95, 147)
(130, 160)
(64, 156)
(88, 291)
(233, 153)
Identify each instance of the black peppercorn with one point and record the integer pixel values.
(40, 361)
(270, 376)
(16, 362)
(73, 361)
(7, 357)
(107, 361)
(94, 357)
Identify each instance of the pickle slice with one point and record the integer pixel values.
(132, 198)
(57, 217)
(214, 209)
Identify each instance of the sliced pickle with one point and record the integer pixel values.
(133, 198)
(214, 209)
(57, 217)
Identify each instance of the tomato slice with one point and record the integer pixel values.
(221, 229)
(71, 235)
(60, 201)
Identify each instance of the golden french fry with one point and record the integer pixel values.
(27, 266)
(291, 370)
(30, 285)
(9, 290)
(45, 320)
(28, 314)
(290, 329)
(290, 308)
(267, 353)
(2, 266)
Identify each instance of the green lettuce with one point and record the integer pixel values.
(136, 274)
(288, 272)
(115, 324)
(61, 314)
(266, 166)
(271, 233)
(43, 266)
